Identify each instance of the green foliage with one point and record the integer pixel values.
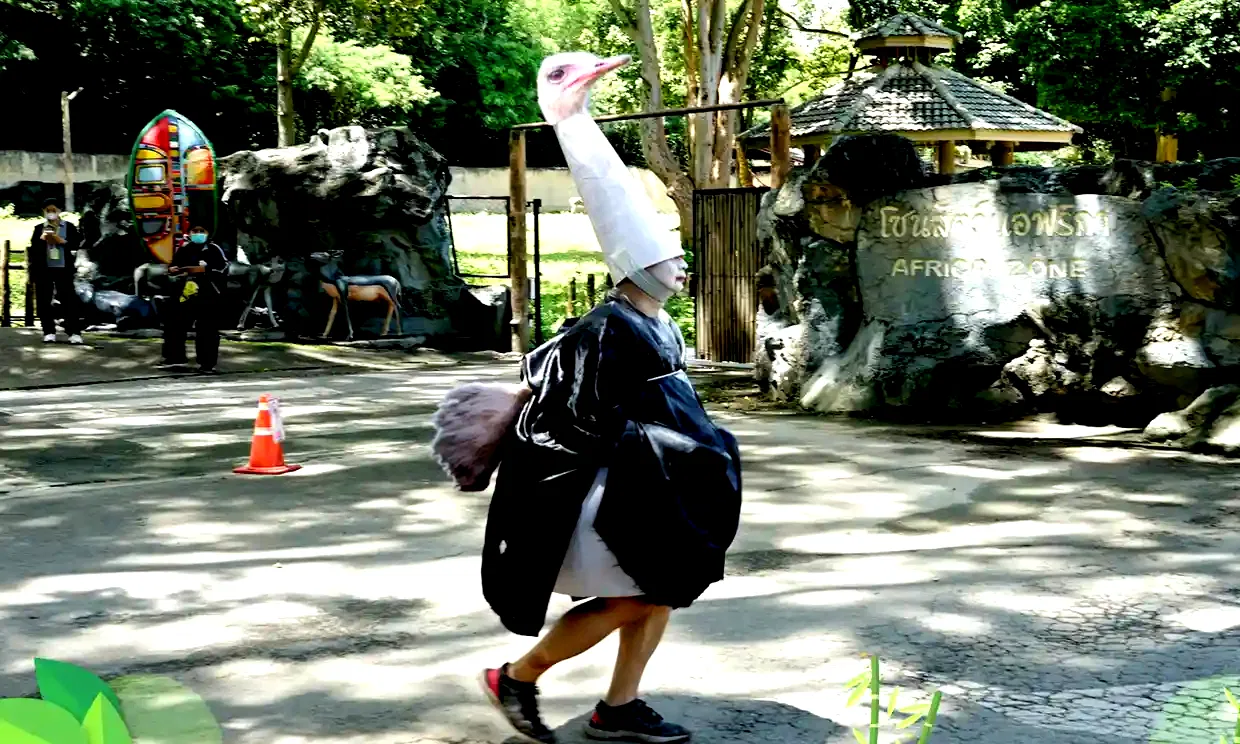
(344, 83)
(103, 723)
(869, 683)
(1235, 181)
(70, 687)
(27, 721)
(132, 58)
(481, 58)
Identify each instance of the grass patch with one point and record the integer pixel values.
(16, 231)
(568, 250)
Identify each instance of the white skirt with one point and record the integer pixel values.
(590, 569)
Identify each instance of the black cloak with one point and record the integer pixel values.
(611, 391)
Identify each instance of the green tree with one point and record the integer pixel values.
(276, 20)
(133, 58)
(343, 82)
(1088, 62)
(1199, 42)
(482, 59)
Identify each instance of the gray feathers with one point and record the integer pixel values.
(470, 425)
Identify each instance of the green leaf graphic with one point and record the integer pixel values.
(30, 721)
(160, 710)
(860, 679)
(860, 736)
(103, 724)
(71, 687)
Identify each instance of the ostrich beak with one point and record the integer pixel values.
(603, 67)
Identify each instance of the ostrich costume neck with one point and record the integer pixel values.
(623, 217)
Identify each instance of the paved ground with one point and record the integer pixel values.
(1056, 590)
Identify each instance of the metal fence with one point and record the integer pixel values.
(535, 209)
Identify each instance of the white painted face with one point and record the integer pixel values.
(564, 82)
(672, 273)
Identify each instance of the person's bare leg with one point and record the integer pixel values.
(579, 630)
(638, 640)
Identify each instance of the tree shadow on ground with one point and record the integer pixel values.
(344, 601)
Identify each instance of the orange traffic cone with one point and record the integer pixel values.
(266, 452)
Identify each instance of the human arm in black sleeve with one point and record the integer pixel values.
(581, 385)
(217, 262)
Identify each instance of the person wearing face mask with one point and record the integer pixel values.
(613, 486)
(205, 266)
(51, 257)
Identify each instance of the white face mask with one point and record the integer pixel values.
(662, 280)
(52, 216)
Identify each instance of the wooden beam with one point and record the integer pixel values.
(67, 154)
(1168, 145)
(947, 157)
(516, 249)
(1001, 154)
(667, 112)
(781, 143)
(6, 320)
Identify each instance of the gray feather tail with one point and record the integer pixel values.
(470, 425)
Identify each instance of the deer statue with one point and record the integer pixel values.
(359, 288)
(262, 278)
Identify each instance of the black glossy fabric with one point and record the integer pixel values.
(611, 391)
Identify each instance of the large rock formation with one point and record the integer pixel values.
(999, 293)
(375, 198)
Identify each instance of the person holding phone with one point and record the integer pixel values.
(205, 265)
(50, 258)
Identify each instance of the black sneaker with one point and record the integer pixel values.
(518, 702)
(633, 721)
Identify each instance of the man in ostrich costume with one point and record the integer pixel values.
(613, 484)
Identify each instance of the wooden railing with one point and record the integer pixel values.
(6, 287)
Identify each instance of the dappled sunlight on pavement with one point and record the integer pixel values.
(1057, 591)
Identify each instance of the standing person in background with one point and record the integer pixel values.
(51, 257)
(198, 302)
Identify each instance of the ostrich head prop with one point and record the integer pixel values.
(624, 219)
(564, 82)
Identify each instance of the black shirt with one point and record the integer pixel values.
(191, 254)
(36, 256)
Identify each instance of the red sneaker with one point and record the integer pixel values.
(518, 703)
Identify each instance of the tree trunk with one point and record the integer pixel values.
(286, 124)
(717, 53)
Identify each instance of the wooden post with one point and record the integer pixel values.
(590, 289)
(6, 319)
(1001, 154)
(29, 296)
(516, 250)
(570, 304)
(66, 134)
(1168, 145)
(781, 143)
(947, 157)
